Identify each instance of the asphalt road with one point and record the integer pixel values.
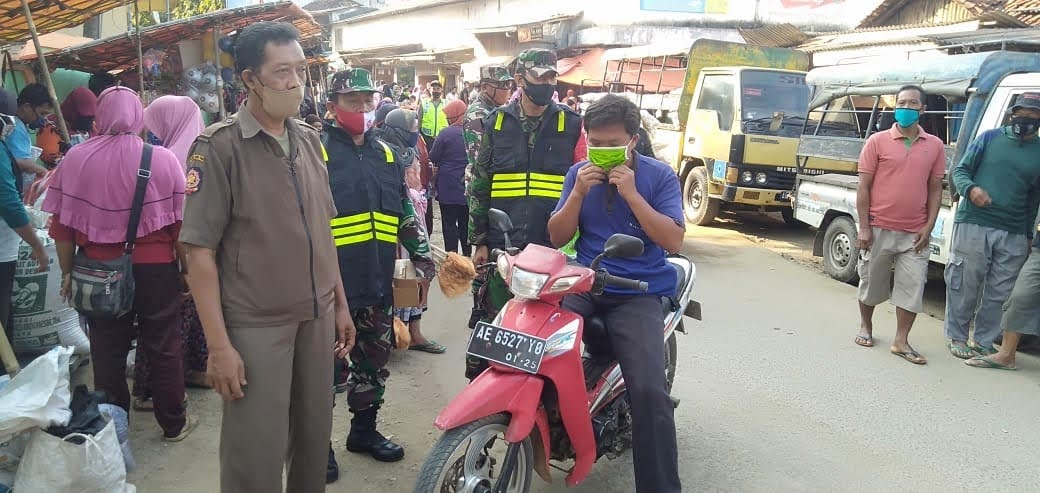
(775, 395)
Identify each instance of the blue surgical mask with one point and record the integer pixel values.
(413, 139)
(906, 117)
(38, 123)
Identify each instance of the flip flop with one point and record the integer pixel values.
(985, 362)
(982, 350)
(960, 352)
(431, 347)
(911, 356)
(865, 341)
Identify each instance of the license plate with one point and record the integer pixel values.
(507, 347)
(785, 197)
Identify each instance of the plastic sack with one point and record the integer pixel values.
(38, 396)
(11, 452)
(118, 416)
(42, 319)
(56, 465)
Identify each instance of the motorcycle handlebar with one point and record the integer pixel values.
(625, 283)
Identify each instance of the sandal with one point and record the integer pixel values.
(911, 356)
(431, 347)
(960, 350)
(982, 350)
(985, 362)
(144, 405)
(865, 341)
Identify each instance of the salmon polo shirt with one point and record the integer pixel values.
(899, 196)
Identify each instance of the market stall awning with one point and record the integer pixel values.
(49, 15)
(120, 52)
(51, 42)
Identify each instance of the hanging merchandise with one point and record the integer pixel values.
(228, 74)
(152, 61)
(227, 60)
(202, 82)
(226, 44)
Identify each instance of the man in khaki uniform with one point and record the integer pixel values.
(263, 269)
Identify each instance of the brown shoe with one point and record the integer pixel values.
(190, 422)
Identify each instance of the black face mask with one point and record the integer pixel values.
(539, 94)
(1024, 127)
(436, 94)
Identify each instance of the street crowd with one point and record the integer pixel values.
(265, 244)
(993, 275)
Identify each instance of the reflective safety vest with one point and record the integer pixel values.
(433, 118)
(366, 183)
(526, 182)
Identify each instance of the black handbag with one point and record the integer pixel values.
(105, 288)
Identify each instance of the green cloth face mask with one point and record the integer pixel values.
(608, 158)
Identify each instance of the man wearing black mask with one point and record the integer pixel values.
(526, 148)
(998, 179)
(34, 106)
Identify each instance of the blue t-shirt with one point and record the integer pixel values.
(19, 141)
(598, 221)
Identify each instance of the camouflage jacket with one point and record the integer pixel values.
(478, 181)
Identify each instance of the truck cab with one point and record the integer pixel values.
(967, 95)
(741, 140)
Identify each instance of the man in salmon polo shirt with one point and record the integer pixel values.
(900, 188)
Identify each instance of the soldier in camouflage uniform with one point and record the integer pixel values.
(551, 139)
(366, 231)
(494, 92)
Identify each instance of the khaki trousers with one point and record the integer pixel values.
(285, 419)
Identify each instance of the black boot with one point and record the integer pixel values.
(332, 470)
(364, 439)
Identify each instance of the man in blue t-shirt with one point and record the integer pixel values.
(619, 191)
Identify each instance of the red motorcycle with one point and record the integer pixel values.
(542, 399)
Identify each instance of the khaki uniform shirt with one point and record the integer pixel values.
(267, 217)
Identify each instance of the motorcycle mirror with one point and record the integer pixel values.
(620, 245)
(500, 220)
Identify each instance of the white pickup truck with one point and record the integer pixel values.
(967, 95)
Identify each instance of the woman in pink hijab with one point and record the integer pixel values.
(90, 197)
(176, 121)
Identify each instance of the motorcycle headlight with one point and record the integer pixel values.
(502, 264)
(746, 177)
(525, 284)
(761, 178)
(562, 341)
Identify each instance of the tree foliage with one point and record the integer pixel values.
(182, 10)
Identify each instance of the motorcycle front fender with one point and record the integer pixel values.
(493, 392)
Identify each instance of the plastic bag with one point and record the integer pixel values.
(56, 465)
(11, 452)
(402, 337)
(38, 396)
(118, 416)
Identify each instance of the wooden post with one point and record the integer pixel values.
(220, 80)
(7, 354)
(46, 72)
(140, 54)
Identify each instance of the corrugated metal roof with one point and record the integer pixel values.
(882, 37)
(780, 36)
(1008, 37)
(1026, 11)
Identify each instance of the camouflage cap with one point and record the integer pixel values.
(352, 80)
(495, 73)
(536, 62)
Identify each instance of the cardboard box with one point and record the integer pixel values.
(406, 284)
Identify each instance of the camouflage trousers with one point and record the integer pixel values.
(490, 294)
(367, 381)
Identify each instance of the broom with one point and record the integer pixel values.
(455, 272)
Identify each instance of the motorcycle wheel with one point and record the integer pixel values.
(464, 459)
(670, 358)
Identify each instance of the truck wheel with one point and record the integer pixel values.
(699, 208)
(840, 253)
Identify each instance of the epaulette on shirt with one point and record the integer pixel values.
(212, 130)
